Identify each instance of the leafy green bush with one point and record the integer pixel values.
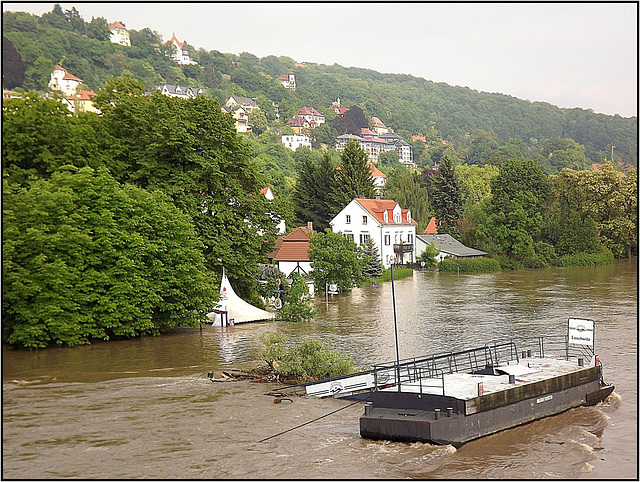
(311, 358)
(586, 259)
(507, 262)
(471, 265)
(398, 273)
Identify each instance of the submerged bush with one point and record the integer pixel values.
(398, 273)
(471, 265)
(586, 259)
(311, 358)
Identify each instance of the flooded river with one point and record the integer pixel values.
(145, 408)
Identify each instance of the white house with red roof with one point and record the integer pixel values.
(119, 34)
(288, 81)
(63, 81)
(181, 54)
(310, 116)
(379, 179)
(291, 253)
(390, 227)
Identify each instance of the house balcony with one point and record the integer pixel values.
(403, 248)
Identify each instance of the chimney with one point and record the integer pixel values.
(309, 226)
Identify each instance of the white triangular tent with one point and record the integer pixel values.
(232, 309)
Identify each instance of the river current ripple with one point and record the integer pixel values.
(145, 408)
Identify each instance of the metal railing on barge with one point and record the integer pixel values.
(428, 372)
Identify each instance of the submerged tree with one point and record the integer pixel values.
(373, 267)
(96, 260)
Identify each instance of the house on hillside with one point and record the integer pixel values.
(373, 145)
(288, 81)
(449, 246)
(119, 34)
(64, 82)
(293, 141)
(311, 116)
(383, 221)
(247, 103)
(378, 126)
(179, 91)
(335, 107)
(379, 179)
(83, 102)
(240, 117)
(180, 54)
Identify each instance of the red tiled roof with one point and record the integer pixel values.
(366, 132)
(85, 95)
(292, 247)
(373, 139)
(377, 208)
(299, 234)
(293, 251)
(431, 227)
(174, 39)
(115, 25)
(68, 76)
(375, 172)
(296, 122)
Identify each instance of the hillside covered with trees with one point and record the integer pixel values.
(408, 104)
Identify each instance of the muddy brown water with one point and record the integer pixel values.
(145, 408)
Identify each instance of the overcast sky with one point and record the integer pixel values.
(570, 55)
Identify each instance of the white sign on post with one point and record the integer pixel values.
(581, 331)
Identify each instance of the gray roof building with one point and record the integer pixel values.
(447, 244)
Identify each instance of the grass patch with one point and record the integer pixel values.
(398, 273)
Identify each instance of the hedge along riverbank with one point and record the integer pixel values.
(398, 273)
(470, 265)
(586, 259)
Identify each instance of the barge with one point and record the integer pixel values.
(453, 398)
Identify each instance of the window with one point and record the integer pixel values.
(387, 239)
(348, 219)
(364, 238)
(364, 220)
(409, 238)
(349, 236)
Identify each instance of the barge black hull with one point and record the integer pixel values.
(408, 417)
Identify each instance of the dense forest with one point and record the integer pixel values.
(408, 104)
(119, 224)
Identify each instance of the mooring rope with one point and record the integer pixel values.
(310, 421)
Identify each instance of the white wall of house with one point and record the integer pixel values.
(120, 37)
(287, 267)
(358, 224)
(293, 141)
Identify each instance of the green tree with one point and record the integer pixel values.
(296, 306)
(336, 259)
(558, 153)
(612, 202)
(313, 192)
(98, 29)
(353, 176)
(445, 195)
(428, 256)
(373, 267)
(189, 149)
(404, 187)
(475, 182)
(85, 258)
(258, 121)
(39, 136)
(519, 195)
